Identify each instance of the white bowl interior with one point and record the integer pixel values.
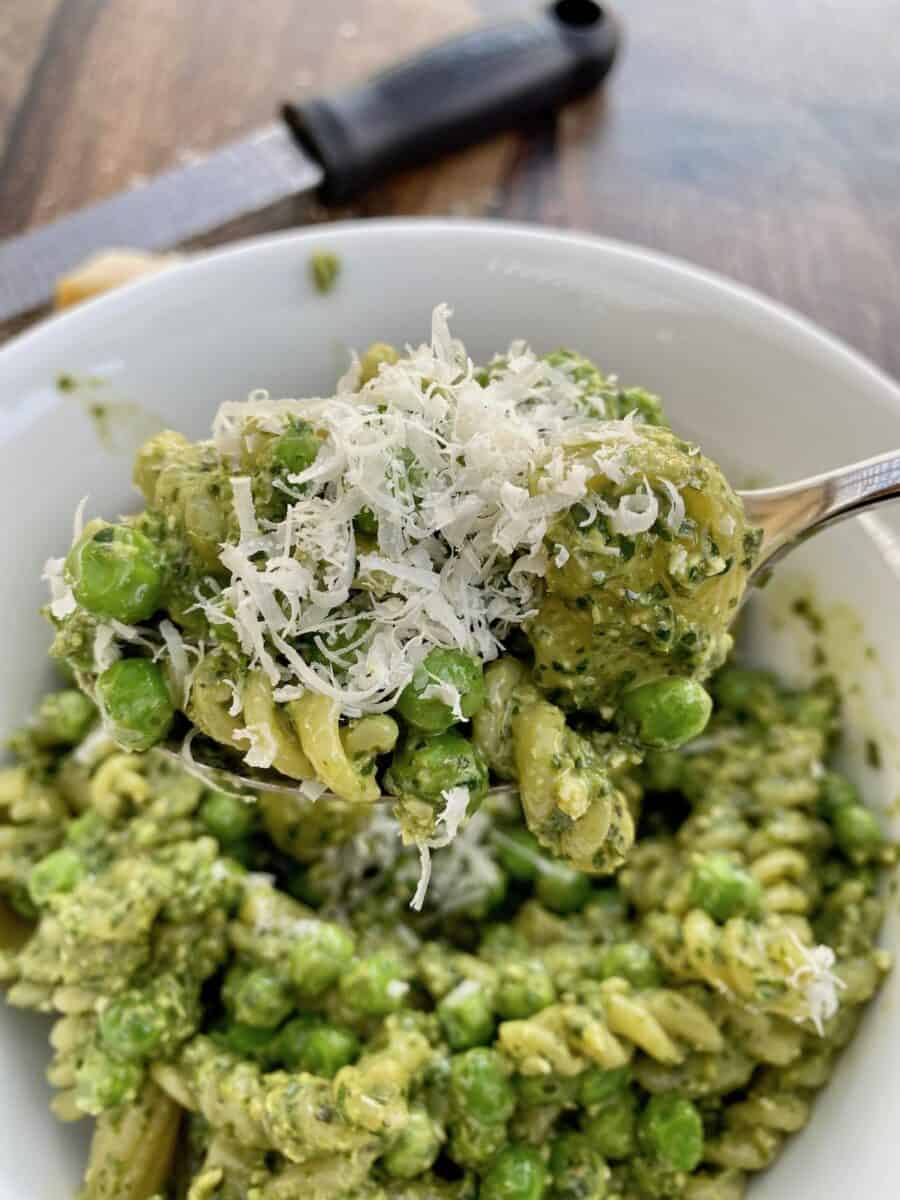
(762, 390)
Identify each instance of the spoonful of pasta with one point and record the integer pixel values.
(787, 515)
(442, 579)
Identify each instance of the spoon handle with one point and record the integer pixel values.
(795, 511)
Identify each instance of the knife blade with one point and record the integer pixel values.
(337, 145)
(243, 177)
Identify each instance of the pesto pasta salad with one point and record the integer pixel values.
(439, 575)
(524, 892)
(244, 1000)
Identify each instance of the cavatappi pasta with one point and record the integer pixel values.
(247, 1006)
(439, 574)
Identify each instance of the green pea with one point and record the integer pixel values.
(60, 872)
(261, 998)
(115, 572)
(450, 668)
(597, 1085)
(65, 717)
(499, 940)
(88, 831)
(540, 1090)
(479, 1086)
(560, 887)
(631, 961)
(665, 713)
(523, 988)
(103, 1082)
(812, 710)
(375, 986)
(671, 1130)
(466, 1016)
(579, 1172)
(224, 882)
(519, 853)
(835, 792)
(288, 1044)
(517, 1173)
(474, 1144)
(857, 832)
(247, 1041)
(366, 523)
(132, 1026)
(723, 889)
(415, 1148)
(296, 448)
(747, 692)
(310, 1044)
(327, 1049)
(427, 766)
(136, 703)
(370, 363)
(320, 953)
(648, 405)
(229, 818)
(610, 1128)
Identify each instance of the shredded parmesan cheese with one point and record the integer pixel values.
(675, 515)
(78, 519)
(447, 694)
(451, 816)
(456, 803)
(421, 891)
(262, 745)
(818, 983)
(62, 598)
(461, 479)
(178, 659)
(106, 652)
(636, 513)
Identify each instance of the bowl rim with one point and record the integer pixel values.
(271, 255)
(155, 288)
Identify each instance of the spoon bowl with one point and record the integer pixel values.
(793, 512)
(788, 515)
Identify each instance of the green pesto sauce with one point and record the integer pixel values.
(552, 1028)
(324, 267)
(121, 426)
(67, 382)
(622, 958)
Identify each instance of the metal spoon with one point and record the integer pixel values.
(212, 764)
(793, 512)
(787, 515)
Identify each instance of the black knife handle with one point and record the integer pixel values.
(455, 93)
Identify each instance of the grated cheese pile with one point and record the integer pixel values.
(817, 982)
(463, 479)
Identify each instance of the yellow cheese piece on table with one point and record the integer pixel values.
(106, 270)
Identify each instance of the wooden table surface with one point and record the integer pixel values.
(759, 138)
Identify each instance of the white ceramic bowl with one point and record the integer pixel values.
(765, 392)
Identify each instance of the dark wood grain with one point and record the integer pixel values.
(760, 139)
